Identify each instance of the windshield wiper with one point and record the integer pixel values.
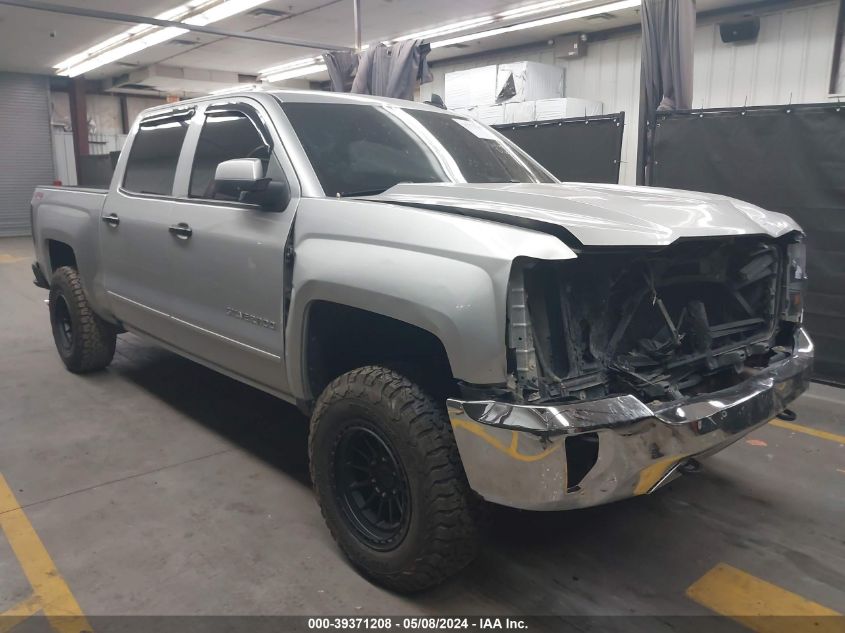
(362, 192)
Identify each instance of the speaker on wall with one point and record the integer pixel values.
(743, 31)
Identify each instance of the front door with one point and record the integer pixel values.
(228, 262)
(134, 238)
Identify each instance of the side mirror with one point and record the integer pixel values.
(242, 179)
(240, 174)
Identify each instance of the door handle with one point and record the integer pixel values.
(181, 230)
(111, 219)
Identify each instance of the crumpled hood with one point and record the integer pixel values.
(600, 215)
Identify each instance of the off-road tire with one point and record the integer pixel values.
(441, 536)
(91, 340)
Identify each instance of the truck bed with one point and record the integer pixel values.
(67, 215)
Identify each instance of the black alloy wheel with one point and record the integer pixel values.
(372, 488)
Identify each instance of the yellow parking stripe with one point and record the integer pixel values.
(49, 588)
(760, 605)
(800, 428)
(5, 258)
(21, 611)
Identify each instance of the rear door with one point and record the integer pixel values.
(134, 235)
(228, 265)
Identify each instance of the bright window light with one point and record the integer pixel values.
(554, 19)
(296, 72)
(141, 36)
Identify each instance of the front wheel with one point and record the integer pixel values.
(84, 341)
(389, 480)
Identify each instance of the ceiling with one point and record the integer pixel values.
(34, 41)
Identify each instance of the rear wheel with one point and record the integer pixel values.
(84, 341)
(389, 480)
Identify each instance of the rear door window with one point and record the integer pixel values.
(151, 166)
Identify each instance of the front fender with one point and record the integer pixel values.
(444, 274)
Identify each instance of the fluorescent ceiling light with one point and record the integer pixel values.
(448, 28)
(238, 88)
(223, 10)
(539, 7)
(141, 36)
(554, 19)
(269, 74)
(298, 63)
(296, 72)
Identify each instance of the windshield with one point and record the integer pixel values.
(358, 149)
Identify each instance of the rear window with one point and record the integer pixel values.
(151, 167)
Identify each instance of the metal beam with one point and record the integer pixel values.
(356, 18)
(113, 16)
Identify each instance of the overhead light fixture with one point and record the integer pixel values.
(446, 29)
(142, 36)
(312, 65)
(237, 88)
(539, 7)
(297, 63)
(295, 72)
(554, 19)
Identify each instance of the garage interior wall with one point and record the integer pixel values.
(789, 62)
(26, 156)
(105, 127)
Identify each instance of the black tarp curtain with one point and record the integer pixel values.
(667, 57)
(668, 28)
(593, 146)
(384, 71)
(783, 158)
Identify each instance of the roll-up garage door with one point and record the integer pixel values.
(26, 156)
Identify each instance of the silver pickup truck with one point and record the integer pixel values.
(458, 324)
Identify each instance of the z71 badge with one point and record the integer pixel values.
(251, 318)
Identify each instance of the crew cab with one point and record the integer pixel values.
(457, 323)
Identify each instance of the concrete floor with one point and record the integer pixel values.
(161, 487)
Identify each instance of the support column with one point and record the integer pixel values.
(79, 121)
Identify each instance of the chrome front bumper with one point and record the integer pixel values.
(516, 455)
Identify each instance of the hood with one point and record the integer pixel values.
(597, 215)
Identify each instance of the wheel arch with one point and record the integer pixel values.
(339, 337)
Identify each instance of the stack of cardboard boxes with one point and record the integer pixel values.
(519, 92)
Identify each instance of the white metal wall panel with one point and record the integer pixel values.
(63, 157)
(26, 156)
(789, 62)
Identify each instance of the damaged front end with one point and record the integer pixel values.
(625, 363)
(686, 319)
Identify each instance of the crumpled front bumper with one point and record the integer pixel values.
(519, 455)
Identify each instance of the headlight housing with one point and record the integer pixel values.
(796, 277)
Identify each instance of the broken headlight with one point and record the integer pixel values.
(796, 276)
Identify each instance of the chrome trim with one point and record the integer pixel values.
(226, 339)
(143, 306)
(202, 330)
(515, 455)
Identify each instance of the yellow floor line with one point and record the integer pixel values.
(5, 258)
(760, 605)
(10, 618)
(50, 589)
(799, 428)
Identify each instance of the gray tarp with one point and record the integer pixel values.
(667, 57)
(384, 71)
